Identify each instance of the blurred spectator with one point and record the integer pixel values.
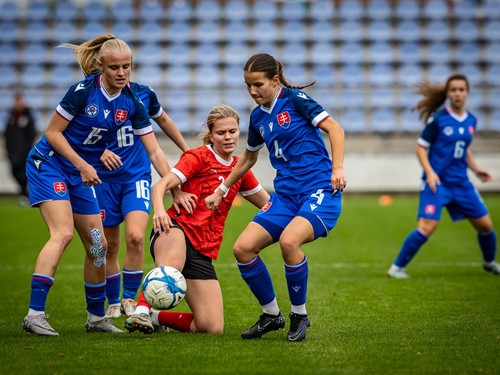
(19, 139)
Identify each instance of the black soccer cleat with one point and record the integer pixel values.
(265, 324)
(298, 327)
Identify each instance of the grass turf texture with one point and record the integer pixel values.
(444, 320)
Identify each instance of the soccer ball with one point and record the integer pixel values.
(164, 287)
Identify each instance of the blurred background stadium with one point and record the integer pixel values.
(365, 55)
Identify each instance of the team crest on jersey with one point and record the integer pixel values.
(430, 209)
(266, 207)
(448, 130)
(471, 130)
(283, 119)
(103, 215)
(60, 188)
(261, 131)
(92, 110)
(120, 116)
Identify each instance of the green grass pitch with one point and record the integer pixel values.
(444, 320)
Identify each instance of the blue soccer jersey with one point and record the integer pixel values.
(126, 144)
(447, 138)
(94, 117)
(289, 129)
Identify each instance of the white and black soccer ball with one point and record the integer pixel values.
(164, 287)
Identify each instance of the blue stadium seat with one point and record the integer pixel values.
(264, 10)
(380, 31)
(351, 53)
(381, 52)
(379, 10)
(204, 100)
(382, 75)
(297, 74)
(468, 53)
(179, 32)
(232, 76)
(207, 76)
(36, 31)
(353, 120)
(236, 10)
(35, 53)
(407, 10)
(295, 53)
(491, 53)
(293, 31)
(65, 32)
(10, 32)
(241, 101)
(179, 11)
(122, 11)
(494, 120)
(351, 31)
(473, 72)
(9, 54)
(383, 120)
(236, 32)
(8, 76)
(493, 75)
(323, 53)
(351, 10)
(322, 11)
(37, 10)
(66, 11)
(236, 53)
(10, 11)
(152, 32)
(323, 31)
(63, 76)
(263, 47)
(438, 53)
(438, 72)
(180, 99)
(409, 121)
(208, 32)
(207, 10)
(491, 10)
(125, 30)
(465, 10)
(408, 31)
(62, 56)
(382, 98)
(151, 11)
(352, 75)
(33, 76)
(150, 75)
(409, 74)
(94, 10)
(92, 29)
(468, 31)
(324, 74)
(409, 53)
(149, 53)
(293, 11)
(178, 76)
(491, 30)
(265, 31)
(437, 31)
(435, 10)
(207, 54)
(35, 97)
(178, 54)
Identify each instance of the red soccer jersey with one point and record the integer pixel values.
(201, 171)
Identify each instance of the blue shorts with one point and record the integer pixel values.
(117, 200)
(462, 202)
(48, 182)
(322, 209)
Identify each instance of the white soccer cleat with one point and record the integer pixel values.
(492, 267)
(103, 325)
(396, 272)
(113, 311)
(128, 306)
(38, 325)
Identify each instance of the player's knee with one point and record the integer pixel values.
(135, 242)
(209, 327)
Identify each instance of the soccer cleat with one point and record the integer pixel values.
(39, 325)
(103, 325)
(161, 329)
(128, 306)
(298, 327)
(113, 311)
(265, 324)
(396, 272)
(492, 267)
(139, 322)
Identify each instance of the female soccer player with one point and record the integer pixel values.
(189, 242)
(62, 177)
(308, 189)
(444, 153)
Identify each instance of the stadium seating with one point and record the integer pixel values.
(370, 49)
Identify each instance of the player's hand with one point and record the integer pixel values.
(212, 201)
(483, 175)
(339, 180)
(186, 200)
(110, 160)
(161, 221)
(433, 181)
(89, 175)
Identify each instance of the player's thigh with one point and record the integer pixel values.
(58, 217)
(204, 297)
(298, 232)
(482, 224)
(170, 249)
(136, 223)
(253, 239)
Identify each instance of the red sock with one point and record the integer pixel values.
(180, 321)
(141, 301)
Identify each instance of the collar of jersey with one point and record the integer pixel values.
(227, 163)
(455, 116)
(105, 93)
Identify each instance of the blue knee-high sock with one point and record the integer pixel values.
(40, 286)
(296, 278)
(113, 288)
(488, 245)
(131, 282)
(95, 295)
(410, 248)
(257, 277)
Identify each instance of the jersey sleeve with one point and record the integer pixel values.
(189, 164)
(308, 108)
(75, 100)
(429, 133)
(249, 184)
(140, 119)
(155, 108)
(255, 141)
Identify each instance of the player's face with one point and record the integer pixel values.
(261, 89)
(457, 94)
(116, 68)
(224, 136)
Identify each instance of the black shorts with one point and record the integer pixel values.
(197, 266)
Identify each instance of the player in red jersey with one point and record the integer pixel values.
(189, 242)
